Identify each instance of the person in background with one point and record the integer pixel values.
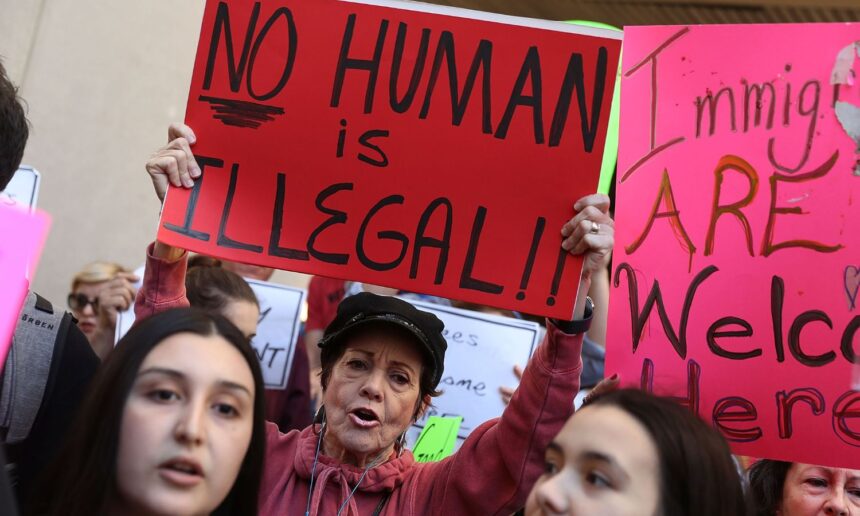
(173, 424)
(630, 453)
(291, 407)
(216, 290)
(778, 488)
(99, 291)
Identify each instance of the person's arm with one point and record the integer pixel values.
(599, 293)
(163, 285)
(505, 456)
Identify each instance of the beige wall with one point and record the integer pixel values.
(103, 79)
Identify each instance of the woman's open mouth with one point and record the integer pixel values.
(364, 418)
(181, 472)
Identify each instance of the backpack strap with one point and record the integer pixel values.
(66, 321)
(42, 304)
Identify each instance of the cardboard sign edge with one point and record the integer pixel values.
(459, 12)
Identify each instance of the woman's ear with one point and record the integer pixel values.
(319, 417)
(422, 407)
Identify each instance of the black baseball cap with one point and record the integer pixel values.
(364, 308)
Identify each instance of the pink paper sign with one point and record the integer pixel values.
(737, 260)
(23, 237)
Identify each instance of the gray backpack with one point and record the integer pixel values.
(46, 375)
(27, 375)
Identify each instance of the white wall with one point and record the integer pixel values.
(103, 79)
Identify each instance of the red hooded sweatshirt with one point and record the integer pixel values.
(492, 473)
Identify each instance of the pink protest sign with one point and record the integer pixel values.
(737, 261)
(23, 237)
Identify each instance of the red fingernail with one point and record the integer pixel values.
(614, 376)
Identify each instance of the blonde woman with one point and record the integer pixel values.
(99, 291)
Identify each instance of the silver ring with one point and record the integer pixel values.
(595, 228)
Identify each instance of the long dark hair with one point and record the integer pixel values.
(697, 473)
(767, 481)
(82, 481)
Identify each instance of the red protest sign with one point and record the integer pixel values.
(426, 148)
(737, 232)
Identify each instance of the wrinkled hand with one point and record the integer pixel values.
(116, 296)
(174, 164)
(508, 392)
(590, 232)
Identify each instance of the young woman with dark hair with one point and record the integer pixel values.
(629, 453)
(173, 424)
(795, 489)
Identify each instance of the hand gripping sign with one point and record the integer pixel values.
(426, 148)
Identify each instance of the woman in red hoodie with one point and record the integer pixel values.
(382, 361)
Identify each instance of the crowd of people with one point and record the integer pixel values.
(175, 418)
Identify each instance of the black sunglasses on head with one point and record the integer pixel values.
(80, 301)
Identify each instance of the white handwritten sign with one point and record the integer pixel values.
(482, 352)
(124, 322)
(277, 330)
(23, 188)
